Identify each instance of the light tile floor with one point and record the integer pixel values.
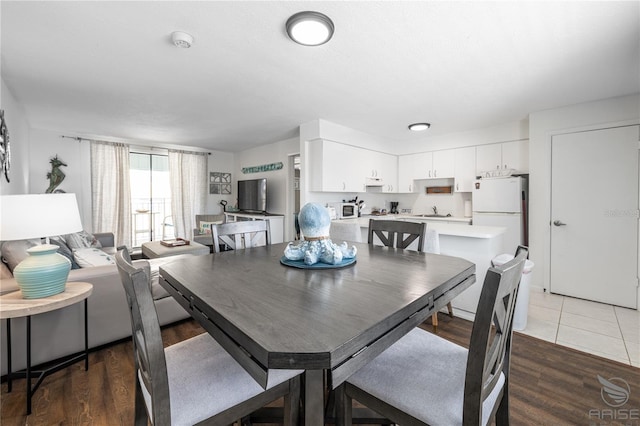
(604, 330)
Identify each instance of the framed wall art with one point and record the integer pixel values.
(220, 183)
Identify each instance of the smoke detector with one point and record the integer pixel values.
(182, 39)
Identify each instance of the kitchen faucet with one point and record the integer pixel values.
(435, 210)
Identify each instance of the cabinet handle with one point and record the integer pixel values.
(344, 186)
(429, 173)
(435, 173)
(457, 187)
(498, 167)
(410, 190)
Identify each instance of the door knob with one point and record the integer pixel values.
(558, 223)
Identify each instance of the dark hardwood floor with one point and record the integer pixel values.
(550, 385)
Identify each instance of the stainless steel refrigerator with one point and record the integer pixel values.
(503, 202)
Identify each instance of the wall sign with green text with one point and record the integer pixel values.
(263, 168)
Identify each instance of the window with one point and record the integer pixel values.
(150, 198)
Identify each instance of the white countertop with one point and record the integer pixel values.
(451, 229)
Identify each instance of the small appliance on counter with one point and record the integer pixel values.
(394, 207)
(344, 210)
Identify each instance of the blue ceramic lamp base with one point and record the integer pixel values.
(42, 274)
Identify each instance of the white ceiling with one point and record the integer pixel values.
(108, 69)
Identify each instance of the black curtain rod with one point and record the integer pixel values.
(79, 139)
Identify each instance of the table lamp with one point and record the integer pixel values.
(44, 272)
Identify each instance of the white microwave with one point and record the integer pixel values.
(344, 210)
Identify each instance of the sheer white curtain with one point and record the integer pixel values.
(111, 190)
(188, 177)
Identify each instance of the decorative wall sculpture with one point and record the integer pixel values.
(56, 175)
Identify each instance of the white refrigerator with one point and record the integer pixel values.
(503, 202)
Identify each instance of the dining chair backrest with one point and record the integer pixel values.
(149, 355)
(490, 344)
(397, 233)
(242, 234)
(346, 230)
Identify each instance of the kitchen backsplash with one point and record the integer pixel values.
(419, 203)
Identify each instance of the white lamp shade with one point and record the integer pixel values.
(38, 215)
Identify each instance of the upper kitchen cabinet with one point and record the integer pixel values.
(443, 164)
(381, 171)
(336, 167)
(464, 167)
(412, 167)
(503, 156)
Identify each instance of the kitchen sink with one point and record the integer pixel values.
(432, 215)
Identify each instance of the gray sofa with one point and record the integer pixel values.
(60, 333)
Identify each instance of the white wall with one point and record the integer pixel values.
(18, 127)
(76, 155)
(542, 125)
(222, 162)
(514, 131)
(278, 180)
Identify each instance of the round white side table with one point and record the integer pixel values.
(12, 305)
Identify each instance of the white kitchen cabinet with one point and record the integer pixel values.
(515, 155)
(464, 169)
(336, 167)
(412, 167)
(488, 158)
(443, 164)
(381, 167)
(503, 156)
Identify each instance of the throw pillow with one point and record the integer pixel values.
(5, 273)
(81, 239)
(91, 256)
(64, 250)
(205, 227)
(14, 252)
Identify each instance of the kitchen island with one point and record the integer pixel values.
(477, 244)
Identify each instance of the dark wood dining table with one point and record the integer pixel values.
(271, 316)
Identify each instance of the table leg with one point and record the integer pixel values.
(29, 365)
(314, 398)
(86, 336)
(9, 378)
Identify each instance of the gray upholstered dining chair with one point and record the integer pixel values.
(401, 234)
(242, 234)
(345, 230)
(425, 379)
(195, 380)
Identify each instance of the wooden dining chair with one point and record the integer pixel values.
(195, 380)
(423, 379)
(401, 234)
(397, 233)
(239, 235)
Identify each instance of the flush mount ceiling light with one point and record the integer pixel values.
(419, 127)
(182, 39)
(310, 28)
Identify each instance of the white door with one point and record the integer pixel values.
(594, 215)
